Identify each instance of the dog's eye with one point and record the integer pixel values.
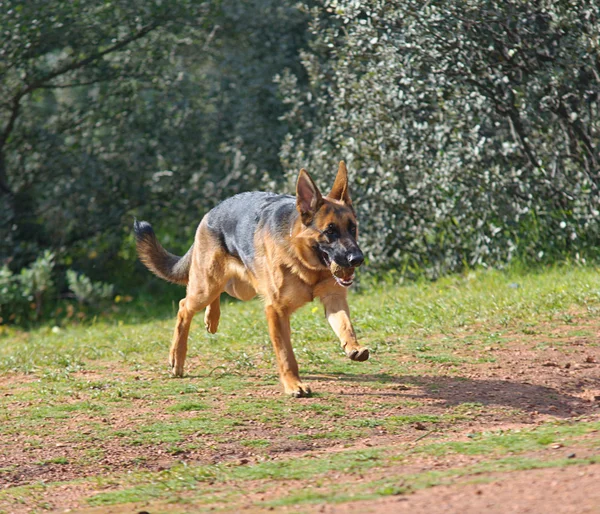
(352, 230)
(331, 230)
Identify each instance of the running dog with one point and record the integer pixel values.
(289, 250)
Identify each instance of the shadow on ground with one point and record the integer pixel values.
(454, 391)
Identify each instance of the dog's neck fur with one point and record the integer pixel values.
(300, 241)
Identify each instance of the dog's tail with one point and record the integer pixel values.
(160, 262)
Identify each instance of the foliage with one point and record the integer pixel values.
(22, 295)
(27, 296)
(86, 291)
(69, 72)
(472, 128)
(111, 109)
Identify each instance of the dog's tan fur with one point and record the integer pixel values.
(286, 275)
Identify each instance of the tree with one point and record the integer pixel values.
(116, 109)
(472, 127)
(56, 57)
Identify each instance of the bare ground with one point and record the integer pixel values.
(525, 385)
(572, 490)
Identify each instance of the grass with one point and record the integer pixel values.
(382, 315)
(93, 406)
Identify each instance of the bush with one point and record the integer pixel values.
(23, 295)
(164, 108)
(471, 129)
(88, 292)
(26, 296)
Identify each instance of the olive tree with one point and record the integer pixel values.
(472, 127)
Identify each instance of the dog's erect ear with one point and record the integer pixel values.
(339, 191)
(308, 197)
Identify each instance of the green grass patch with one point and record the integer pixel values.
(509, 453)
(513, 441)
(103, 386)
(188, 406)
(56, 460)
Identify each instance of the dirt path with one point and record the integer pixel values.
(519, 384)
(571, 490)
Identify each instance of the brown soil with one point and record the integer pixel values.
(571, 490)
(524, 386)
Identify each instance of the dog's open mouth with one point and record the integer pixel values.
(343, 276)
(325, 259)
(344, 282)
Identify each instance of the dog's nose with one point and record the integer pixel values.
(356, 259)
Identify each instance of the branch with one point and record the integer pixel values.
(3, 180)
(77, 84)
(66, 68)
(518, 129)
(14, 113)
(94, 57)
(562, 112)
(511, 112)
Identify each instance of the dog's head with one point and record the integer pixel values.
(333, 220)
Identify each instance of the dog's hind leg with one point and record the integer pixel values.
(212, 315)
(180, 336)
(236, 287)
(190, 305)
(207, 280)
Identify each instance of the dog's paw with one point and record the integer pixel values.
(359, 354)
(211, 326)
(211, 319)
(298, 390)
(175, 367)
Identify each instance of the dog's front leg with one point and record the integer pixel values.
(338, 315)
(280, 332)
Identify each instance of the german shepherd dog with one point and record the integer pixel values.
(289, 250)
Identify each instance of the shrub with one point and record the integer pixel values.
(26, 296)
(22, 295)
(471, 129)
(88, 292)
